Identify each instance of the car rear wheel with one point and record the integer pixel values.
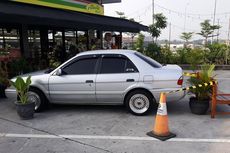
(36, 96)
(139, 102)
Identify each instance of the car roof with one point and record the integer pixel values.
(108, 51)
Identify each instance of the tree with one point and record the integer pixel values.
(121, 15)
(207, 30)
(131, 34)
(186, 36)
(161, 23)
(139, 44)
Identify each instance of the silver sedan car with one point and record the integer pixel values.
(107, 77)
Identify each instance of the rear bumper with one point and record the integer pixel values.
(172, 97)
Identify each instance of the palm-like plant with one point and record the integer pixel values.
(204, 76)
(207, 30)
(186, 36)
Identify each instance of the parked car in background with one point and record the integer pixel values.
(108, 77)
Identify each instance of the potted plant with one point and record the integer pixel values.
(199, 103)
(25, 108)
(4, 82)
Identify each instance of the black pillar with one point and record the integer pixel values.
(44, 62)
(77, 41)
(44, 43)
(121, 40)
(63, 53)
(24, 44)
(100, 36)
(87, 39)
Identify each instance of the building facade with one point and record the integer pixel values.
(45, 32)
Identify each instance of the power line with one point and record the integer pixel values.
(191, 14)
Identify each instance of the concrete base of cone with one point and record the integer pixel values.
(162, 138)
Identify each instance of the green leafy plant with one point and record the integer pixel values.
(204, 76)
(22, 88)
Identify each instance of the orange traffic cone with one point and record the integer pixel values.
(161, 128)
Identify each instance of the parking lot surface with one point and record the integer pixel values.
(98, 129)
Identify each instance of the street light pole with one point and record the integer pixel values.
(228, 42)
(185, 17)
(229, 33)
(170, 33)
(153, 10)
(214, 16)
(218, 31)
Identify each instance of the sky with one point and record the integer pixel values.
(184, 15)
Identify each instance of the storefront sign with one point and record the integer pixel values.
(74, 5)
(110, 1)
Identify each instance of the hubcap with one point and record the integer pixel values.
(139, 103)
(33, 97)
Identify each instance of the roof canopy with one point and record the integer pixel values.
(14, 13)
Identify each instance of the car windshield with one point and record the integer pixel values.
(148, 60)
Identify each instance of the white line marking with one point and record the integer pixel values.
(222, 79)
(12, 135)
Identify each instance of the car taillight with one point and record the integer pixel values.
(180, 81)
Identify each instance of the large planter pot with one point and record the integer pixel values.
(2, 91)
(25, 111)
(199, 107)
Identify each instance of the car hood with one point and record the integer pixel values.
(32, 74)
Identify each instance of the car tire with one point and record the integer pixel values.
(35, 95)
(139, 102)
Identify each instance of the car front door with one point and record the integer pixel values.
(76, 83)
(116, 74)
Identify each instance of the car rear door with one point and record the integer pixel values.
(77, 82)
(116, 74)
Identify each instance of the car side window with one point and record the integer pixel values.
(117, 64)
(112, 65)
(81, 66)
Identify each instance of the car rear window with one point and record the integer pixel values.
(148, 60)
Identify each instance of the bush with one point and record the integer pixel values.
(195, 57)
(154, 51)
(167, 57)
(139, 44)
(182, 54)
(216, 53)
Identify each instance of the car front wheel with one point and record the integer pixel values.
(139, 102)
(36, 96)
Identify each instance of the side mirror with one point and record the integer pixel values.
(59, 72)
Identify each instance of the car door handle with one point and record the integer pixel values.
(130, 80)
(89, 81)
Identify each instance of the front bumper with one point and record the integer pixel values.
(11, 92)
